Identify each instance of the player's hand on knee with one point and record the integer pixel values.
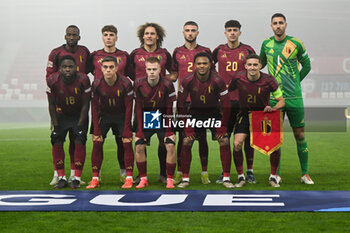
(171, 137)
(127, 140)
(190, 138)
(97, 138)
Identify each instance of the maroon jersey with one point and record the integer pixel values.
(161, 97)
(123, 59)
(208, 98)
(69, 97)
(253, 96)
(183, 60)
(230, 61)
(115, 100)
(81, 57)
(138, 59)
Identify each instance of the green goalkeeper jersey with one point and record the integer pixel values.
(283, 58)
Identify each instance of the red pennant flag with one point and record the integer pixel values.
(266, 133)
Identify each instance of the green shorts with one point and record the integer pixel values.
(294, 109)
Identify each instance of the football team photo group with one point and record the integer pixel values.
(178, 97)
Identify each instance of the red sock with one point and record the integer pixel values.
(162, 159)
(120, 152)
(79, 158)
(225, 156)
(203, 150)
(128, 158)
(58, 158)
(96, 158)
(186, 157)
(238, 159)
(71, 149)
(249, 153)
(142, 167)
(179, 147)
(275, 161)
(170, 169)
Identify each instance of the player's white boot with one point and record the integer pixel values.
(54, 180)
(306, 179)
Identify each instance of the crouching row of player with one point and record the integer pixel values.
(69, 94)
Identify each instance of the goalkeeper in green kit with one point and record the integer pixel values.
(282, 55)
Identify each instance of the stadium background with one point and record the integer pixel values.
(31, 29)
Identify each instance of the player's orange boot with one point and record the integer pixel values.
(127, 184)
(93, 184)
(143, 183)
(170, 183)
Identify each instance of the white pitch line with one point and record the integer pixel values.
(252, 199)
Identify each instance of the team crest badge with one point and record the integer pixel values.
(266, 133)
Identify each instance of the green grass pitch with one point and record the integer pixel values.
(26, 164)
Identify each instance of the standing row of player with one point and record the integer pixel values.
(230, 58)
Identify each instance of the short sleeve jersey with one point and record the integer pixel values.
(110, 100)
(81, 57)
(253, 96)
(282, 59)
(157, 97)
(138, 61)
(205, 96)
(183, 60)
(69, 97)
(123, 60)
(230, 61)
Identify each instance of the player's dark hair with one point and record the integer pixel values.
(233, 24)
(153, 60)
(278, 15)
(159, 29)
(202, 54)
(109, 28)
(66, 57)
(252, 56)
(110, 58)
(73, 26)
(192, 23)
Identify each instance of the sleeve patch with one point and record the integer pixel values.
(224, 92)
(181, 89)
(88, 90)
(49, 64)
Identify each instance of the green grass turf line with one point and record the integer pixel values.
(52, 222)
(26, 164)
